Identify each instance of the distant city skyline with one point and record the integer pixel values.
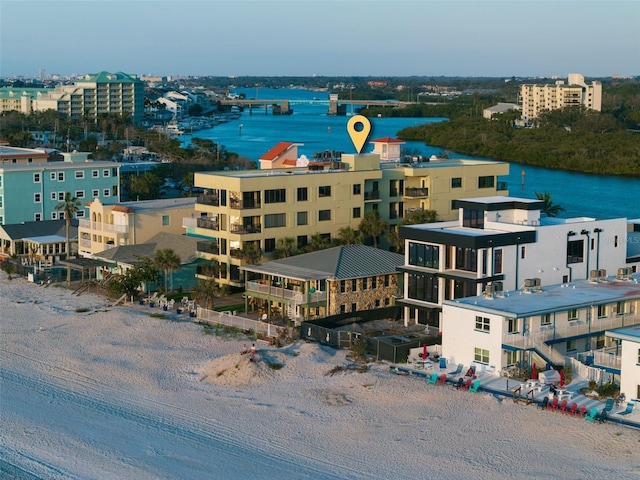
(325, 38)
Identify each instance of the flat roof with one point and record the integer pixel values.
(626, 333)
(553, 298)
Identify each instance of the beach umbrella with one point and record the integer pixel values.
(424, 352)
(534, 372)
(562, 378)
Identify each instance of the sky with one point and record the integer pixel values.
(326, 38)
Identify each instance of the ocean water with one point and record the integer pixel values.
(310, 126)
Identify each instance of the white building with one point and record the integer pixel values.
(498, 242)
(629, 355)
(563, 324)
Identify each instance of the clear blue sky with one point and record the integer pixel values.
(328, 38)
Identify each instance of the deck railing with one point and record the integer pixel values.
(286, 293)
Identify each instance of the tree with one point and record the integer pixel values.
(205, 292)
(373, 226)
(348, 236)
(68, 207)
(8, 267)
(145, 186)
(318, 242)
(167, 260)
(251, 253)
(285, 248)
(550, 208)
(130, 281)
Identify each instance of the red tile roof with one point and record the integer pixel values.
(120, 208)
(387, 140)
(290, 163)
(276, 151)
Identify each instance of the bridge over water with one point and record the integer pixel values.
(335, 105)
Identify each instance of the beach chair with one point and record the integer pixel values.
(591, 415)
(553, 404)
(459, 383)
(466, 384)
(582, 411)
(433, 378)
(442, 379)
(602, 416)
(544, 403)
(457, 371)
(629, 408)
(474, 386)
(573, 410)
(608, 406)
(443, 363)
(562, 407)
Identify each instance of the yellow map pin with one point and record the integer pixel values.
(359, 128)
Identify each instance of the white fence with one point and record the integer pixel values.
(230, 320)
(589, 373)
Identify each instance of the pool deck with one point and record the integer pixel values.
(496, 384)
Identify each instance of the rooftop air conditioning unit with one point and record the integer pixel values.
(498, 286)
(488, 291)
(529, 282)
(602, 273)
(593, 275)
(622, 273)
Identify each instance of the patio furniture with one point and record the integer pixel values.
(433, 378)
(552, 405)
(474, 386)
(466, 384)
(629, 408)
(573, 410)
(459, 383)
(602, 416)
(591, 415)
(562, 407)
(457, 371)
(442, 379)
(608, 406)
(544, 403)
(582, 412)
(443, 363)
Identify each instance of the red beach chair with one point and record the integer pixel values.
(466, 385)
(583, 410)
(573, 410)
(442, 379)
(553, 404)
(562, 407)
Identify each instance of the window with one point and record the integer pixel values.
(423, 287)
(37, 198)
(615, 241)
(301, 218)
(575, 249)
(354, 307)
(80, 214)
(343, 308)
(482, 323)
(106, 173)
(374, 281)
(52, 176)
(512, 326)
(95, 174)
(61, 176)
(61, 196)
(423, 255)
(165, 220)
(95, 193)
(357, 189)
(572, 314)
(324, 215)
(54, 196)
(571, 345)
(275, 196)
(523, 252)
(356, 212)
(466, 259)
(302, 241)
(354, 285)
(497, 261)
(620, 308)
(54, 215)
(324, 191)
(79, 174)
(269, 245)
(302, 194)
(106, 192)
(377, 303)
(364, 283)
(79, 194)
(472, 218)
(275, 220)
(602, 311)
(545, 319)
(486, 182)
(36, 178)
(386, 280)
(481, 355)
(456, 182)
(37, 217)
(639, 363)
(600, 341)
(343, 286)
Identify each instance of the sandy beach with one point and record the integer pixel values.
(94, 391)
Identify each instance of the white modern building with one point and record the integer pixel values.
(499, 244)
(628, 352)
(562, 324)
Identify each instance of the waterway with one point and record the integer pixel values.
(254, 134)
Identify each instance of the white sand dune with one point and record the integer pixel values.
(91, 391)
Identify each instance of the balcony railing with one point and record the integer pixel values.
(372, 195)
(189, 222)
(103, 227)
(286, 293)
(208, 223)
(416, 192)
(240, 204)
(242, 229)
(604, 357)
(208, 247)
(209, 199)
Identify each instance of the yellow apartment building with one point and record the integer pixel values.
(130, 223)
(263, 206)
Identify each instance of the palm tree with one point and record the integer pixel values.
(550, 208)
(206, 291)
(348, 236)
(68, 207)
(251, 253)
(373, 226)
(167, 260)
(285, 248)
(318, 242)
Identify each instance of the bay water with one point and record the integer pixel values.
(255, 133)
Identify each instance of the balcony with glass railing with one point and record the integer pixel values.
(245, 229)
(208, 223)
(372, 195)
(209, 199)
(208, 247)
(413, 192)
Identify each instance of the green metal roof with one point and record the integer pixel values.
(106, 77)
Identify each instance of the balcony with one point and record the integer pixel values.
(208, 247)
(372, 195)
(608, 358)
(103, 227)
(238, 204)
(208, 223)
(298, 297)
(188, 222)
(244, 229)
(416, 192)
(209, 199)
